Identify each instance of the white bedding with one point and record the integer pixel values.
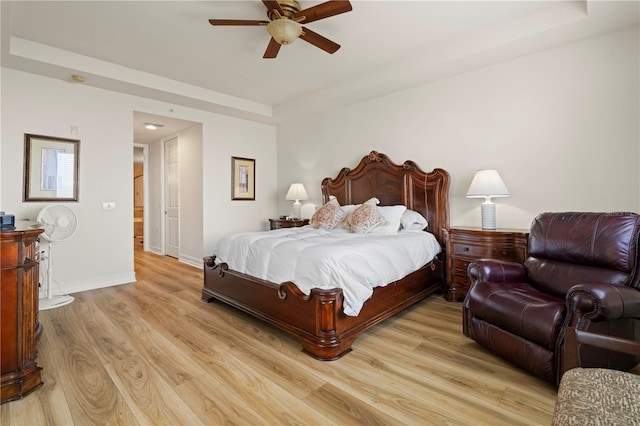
(315, 258)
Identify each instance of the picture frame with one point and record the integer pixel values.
(243, 178)
(51, 167)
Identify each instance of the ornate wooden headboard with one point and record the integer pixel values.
(377, 176)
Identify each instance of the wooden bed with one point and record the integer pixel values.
(317, 320)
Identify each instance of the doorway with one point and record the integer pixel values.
(163, 225)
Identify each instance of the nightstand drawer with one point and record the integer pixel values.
(508, 253)
(460, 265)
(516, 254)
(287, 223)
(462, 280)
(471, 250)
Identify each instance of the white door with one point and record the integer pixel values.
(172, 198)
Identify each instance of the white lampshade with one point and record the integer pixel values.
(296, 192)
(284, 30)
(487, 184)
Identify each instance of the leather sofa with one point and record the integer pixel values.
(581, 271)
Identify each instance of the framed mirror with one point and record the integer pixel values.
(51, 168)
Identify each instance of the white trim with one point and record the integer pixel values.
(109, 281)
(191, 261)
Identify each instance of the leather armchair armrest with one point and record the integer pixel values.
(602, 302)
(492, 270)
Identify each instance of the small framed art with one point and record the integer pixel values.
(243, 178)
(51, 168)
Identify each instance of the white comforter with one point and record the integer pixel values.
(314, 258)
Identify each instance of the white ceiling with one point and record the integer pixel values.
(167, 50)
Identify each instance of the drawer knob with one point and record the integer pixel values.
(465, 249)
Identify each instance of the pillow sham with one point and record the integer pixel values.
(327, 216)
(413, 221)
(392, 216)
(365, 217)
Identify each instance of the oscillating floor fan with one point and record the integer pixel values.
(59, 223)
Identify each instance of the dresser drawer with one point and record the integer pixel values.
(470, 250)
(18, 253)
(515, 254)
(460, 265)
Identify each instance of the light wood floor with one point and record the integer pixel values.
(152, 353)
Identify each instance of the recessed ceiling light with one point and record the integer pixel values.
(151, 126)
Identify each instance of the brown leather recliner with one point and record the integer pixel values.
(582, 271)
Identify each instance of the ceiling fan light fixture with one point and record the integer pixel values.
(284, 30)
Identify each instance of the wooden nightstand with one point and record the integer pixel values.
(466, 244)
(287, 223)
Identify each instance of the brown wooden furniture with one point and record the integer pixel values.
(318, 320)
(466, 244)
(20, 329)
(287, 223)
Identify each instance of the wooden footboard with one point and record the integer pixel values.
(317, 320)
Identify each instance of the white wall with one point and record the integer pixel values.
(561, 127)
(221, 142)
(101, 252)
(191, 200)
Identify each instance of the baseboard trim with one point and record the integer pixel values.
(126, 278)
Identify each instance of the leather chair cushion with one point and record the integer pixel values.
(556, 278)
(605, 240)
(519, 309)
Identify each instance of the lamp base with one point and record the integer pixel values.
(296, 209)
(488, 212)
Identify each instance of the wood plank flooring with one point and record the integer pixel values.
(153, 353)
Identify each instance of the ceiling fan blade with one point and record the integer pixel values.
(324, 10)
(272, 4)
(319, 41)
(272, 49)
(236, 22)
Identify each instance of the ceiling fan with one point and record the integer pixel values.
(284, 24)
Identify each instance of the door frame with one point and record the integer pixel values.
(145, 189)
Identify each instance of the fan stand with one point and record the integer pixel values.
(52, 301)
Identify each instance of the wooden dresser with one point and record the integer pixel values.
(466, 244)
(20, 329)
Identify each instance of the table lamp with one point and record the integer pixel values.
(487, 184)
(296, 192)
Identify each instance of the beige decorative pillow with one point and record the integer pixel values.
(328, 216)
(365, 217)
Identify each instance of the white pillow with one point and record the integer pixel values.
(349, 208)
(392, 216)
(412, 220)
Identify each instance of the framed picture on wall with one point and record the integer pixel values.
(243, 178)
(51, 168)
